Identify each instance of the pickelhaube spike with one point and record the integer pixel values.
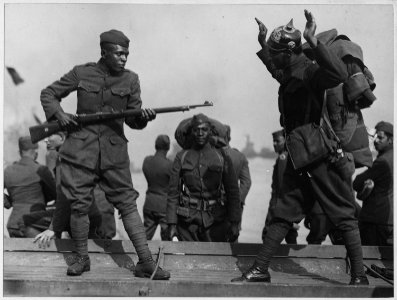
(290, 25)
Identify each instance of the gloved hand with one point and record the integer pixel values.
(262, 33)
(310, 29)
(171, 231)
(233, 232)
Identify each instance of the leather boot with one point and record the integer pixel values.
(359, 280)
(146, 269)
(80, 265)
(253, 274)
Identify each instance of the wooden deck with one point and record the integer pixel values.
(197, 269)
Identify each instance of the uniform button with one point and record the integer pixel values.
(104, 89)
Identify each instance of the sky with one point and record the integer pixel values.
(183, 54)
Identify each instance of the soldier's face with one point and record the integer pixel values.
(201, 134)
(382, 141)
(54, 141)
(278, 144)
(115, 57)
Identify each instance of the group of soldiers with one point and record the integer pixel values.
(201, 194)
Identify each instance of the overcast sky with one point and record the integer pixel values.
(184, 54)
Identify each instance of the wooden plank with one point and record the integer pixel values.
(43, 273)
(200, 248)
(122, 288)
(103, 265)
(174, 262)
(100, 273)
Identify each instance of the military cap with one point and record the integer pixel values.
(386, 127)
(199, 119)
(278, 133)
(25, 143)
(285, 38)
(162, 142)
(115, 37)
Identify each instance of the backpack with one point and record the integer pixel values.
(183, 135)
(345, 101)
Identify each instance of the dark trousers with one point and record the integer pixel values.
(376, 234)
(290, 238)
(193, 233)
(151, 219)
(193, 229)
(322, 183)
(298, 192)
(292, 235)
(77, 184)
(320, 227)
(107, 229)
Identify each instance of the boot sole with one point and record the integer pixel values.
(142, 274)
(243, 279)
(85, 269)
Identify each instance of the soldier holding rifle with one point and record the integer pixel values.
(303, 82)
(97, 153)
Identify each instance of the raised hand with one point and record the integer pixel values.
(262, 33)
(310, 29)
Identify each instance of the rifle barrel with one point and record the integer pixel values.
(42, 131)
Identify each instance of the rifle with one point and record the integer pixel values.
(44, 130)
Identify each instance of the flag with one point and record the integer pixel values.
(15, 76)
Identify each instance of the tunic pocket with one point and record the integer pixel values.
(119, 97)
(89, 87)
(121, 91)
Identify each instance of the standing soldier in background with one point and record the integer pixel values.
(97, 153)
(277, 179)
(375, 188)
(302, 85)
(29, 187)
(240, 164)
(196, 210)
(157, 171)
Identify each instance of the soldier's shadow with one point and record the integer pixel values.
(114, 248)
(279, 263)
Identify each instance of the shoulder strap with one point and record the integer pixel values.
(183, 156)
(325, 118)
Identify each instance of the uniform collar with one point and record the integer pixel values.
(27, 160)
(104, 68)
(206, 147)
(161, 153)
(297, 68)
(101, 65)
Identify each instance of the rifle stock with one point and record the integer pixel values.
(39, 132)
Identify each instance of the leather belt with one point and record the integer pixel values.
(201, 204)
